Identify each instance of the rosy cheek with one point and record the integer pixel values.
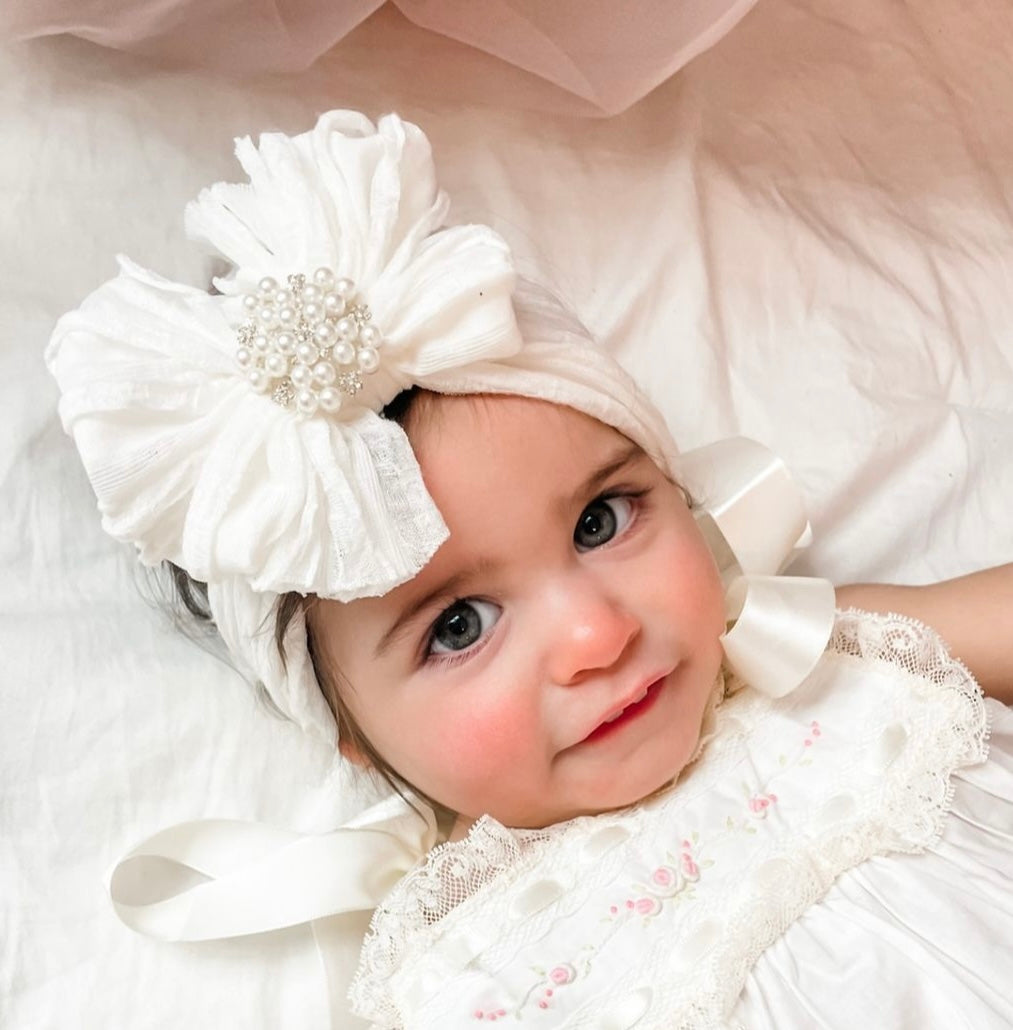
(486, 737)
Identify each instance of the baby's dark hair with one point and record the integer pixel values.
(192, 595)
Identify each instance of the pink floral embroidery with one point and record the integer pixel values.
(760, 803)
(689, 867)
(665, 882)
(648, 906)
(814, 732)
(669, 883)
(538, 994)
(759, 800)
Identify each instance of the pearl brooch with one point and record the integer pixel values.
(307, 343)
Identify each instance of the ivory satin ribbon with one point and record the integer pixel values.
(753, 517)
(218, 878)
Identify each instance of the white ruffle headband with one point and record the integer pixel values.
(239, 435)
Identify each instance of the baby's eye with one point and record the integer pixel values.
(462, 625)
(601, 520)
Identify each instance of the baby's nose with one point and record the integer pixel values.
(592, 633)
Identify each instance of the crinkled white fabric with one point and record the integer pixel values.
(247, 623)
(854, 826)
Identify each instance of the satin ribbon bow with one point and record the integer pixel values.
(753, 518)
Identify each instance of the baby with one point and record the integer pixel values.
(430, 515)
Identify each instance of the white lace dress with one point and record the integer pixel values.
(839, 858)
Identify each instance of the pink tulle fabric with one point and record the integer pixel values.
(596, 56)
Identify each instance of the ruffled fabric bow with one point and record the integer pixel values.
(188, 409)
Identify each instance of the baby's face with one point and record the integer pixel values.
(556, 655)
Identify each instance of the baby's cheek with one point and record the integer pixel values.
(492, 737)
(685, 576)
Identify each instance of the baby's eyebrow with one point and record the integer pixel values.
(599, 476)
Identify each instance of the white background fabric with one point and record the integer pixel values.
(806, 237)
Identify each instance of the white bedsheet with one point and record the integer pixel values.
(806, 237)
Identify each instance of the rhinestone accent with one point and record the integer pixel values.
(309, 343)
(349, 382)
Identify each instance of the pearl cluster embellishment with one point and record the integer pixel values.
(308, 344)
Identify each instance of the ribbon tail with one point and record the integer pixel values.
(781, 628)
(218, 878)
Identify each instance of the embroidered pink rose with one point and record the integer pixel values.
(647, 906)
(665, 882)
(759, 804)
(563, 974)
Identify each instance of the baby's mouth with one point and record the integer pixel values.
(622, 711)
(637, 707)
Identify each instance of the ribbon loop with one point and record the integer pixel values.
(753, 517)
(220, 878)
(749, 493)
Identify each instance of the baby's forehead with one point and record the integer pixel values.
(499, 468)
(502, 425)
(507, 474)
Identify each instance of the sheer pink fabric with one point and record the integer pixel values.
(598, 56)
